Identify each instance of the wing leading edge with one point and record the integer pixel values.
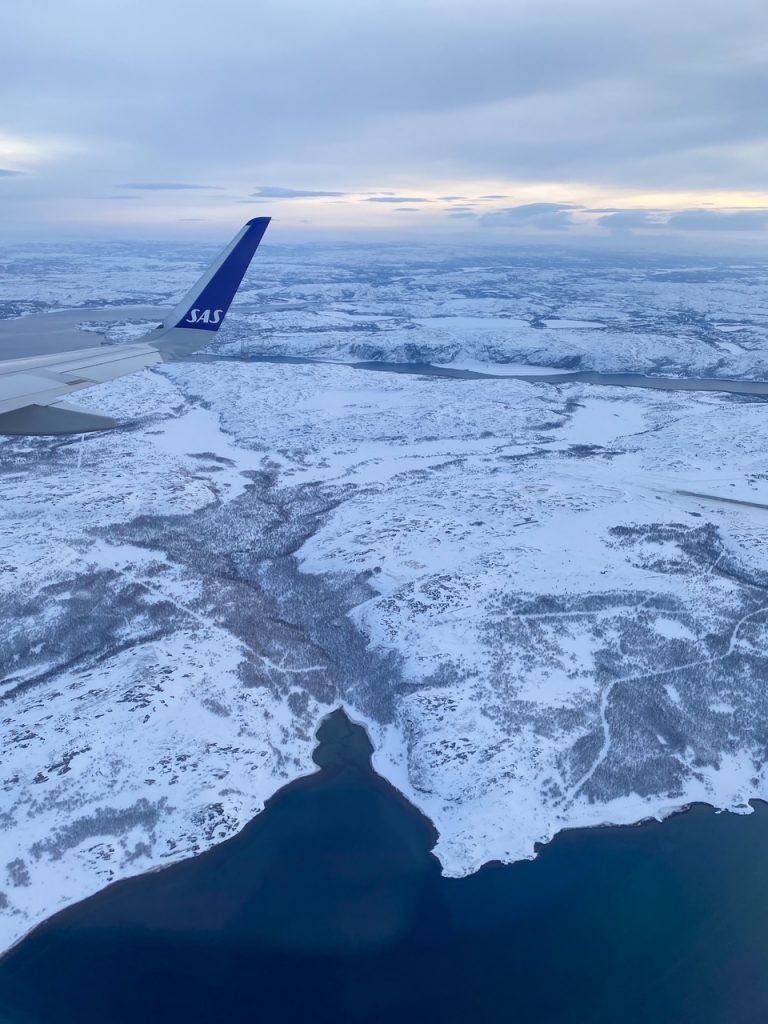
(32, 389)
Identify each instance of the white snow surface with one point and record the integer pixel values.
(550, 634)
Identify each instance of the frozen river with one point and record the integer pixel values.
(58, 331)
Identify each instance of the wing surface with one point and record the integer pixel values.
(32, 388)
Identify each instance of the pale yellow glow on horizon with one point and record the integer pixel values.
(159, 214)
(591, 195)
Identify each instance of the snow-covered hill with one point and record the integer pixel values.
(506, 582)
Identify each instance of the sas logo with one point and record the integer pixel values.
(204, 316)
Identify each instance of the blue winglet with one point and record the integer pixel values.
(204, 308)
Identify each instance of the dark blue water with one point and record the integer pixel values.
(329, 907)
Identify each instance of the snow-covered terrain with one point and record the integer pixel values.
(546, 602)
(643, 313)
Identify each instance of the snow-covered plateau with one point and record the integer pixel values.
(548, 603)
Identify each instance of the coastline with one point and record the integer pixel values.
(335, 882)
(409, 801)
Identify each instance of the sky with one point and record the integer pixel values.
(600, 121)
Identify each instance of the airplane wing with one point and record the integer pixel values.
(33, 389)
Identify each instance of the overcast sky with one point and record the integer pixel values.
(623, 120)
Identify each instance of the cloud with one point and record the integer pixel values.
(542, 216)
(397, 199)
(699, 219)
(531, 211)
(278, 192)
(511, 101)
(715, 220)
(6, 173)
(626, 220)
(407, 209)
(165, 186)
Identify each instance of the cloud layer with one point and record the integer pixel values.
(164, 186)
(360, 109)
(280, 192)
